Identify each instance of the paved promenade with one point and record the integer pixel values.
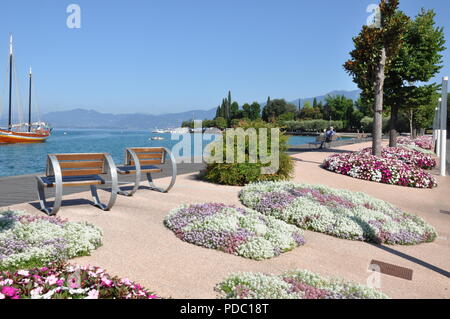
(138, 246)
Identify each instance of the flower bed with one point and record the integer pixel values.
(379, 169)
(31, 241)
(408, 156)
(416, 148)
(340, 213)
(298, 284)
(68, 282)
(234, 230)
(424, 142)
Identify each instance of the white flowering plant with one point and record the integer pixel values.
(339, 213)
(296, 284)
(32, 241)
(234, 230)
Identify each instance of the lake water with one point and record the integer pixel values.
(19, 159)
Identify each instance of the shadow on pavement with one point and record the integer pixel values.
(414, 260)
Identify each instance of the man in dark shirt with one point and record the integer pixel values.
(328, 135)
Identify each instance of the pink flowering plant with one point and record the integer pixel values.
(388, 170)
(234, 230)
(28, 241)
(408, 156)
(64, 281)
(422, 142)
(297, 284)
(339, 213)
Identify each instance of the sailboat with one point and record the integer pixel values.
(22, 132)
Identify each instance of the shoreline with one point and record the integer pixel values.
(19, 189)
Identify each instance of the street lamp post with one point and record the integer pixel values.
(437, 128)
(443, 114)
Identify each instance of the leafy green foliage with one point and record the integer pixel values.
(276, 108)
(244, 173)
(312, 125)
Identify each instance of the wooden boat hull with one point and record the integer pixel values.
(9, 137)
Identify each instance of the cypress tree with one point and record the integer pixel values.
(218, 112)
(229, 105)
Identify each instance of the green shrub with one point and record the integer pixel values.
(244, 173)
(402, 124)
(313, 125)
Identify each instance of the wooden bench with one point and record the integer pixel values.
(68, 170)
(322, 140)
(318, 141)
(140, 160)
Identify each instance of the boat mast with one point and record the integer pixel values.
(10, 80)
(29, 104)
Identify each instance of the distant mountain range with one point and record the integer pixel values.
(81, 118)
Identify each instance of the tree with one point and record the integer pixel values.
(418, 60)
(225, 109)
(339, 107)
(276, 108)
(375, 48)
(209, 123)
(221, 123)
(218, 112)
(315, 102)
(307, 113)
(255, 111)
(246, 110)
(234, 110)
(363, 107)
(189, 124)
(420, 109)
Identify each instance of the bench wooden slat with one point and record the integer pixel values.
(148, 150)
(82, 183)
(79, 157)
(80, 172)
(146, 162)
(82, 164)
(149, 156)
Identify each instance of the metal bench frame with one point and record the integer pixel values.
(138, 171)
(53, 166)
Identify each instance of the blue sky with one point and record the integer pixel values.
(169, 56)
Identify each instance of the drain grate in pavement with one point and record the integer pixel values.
(391, 270)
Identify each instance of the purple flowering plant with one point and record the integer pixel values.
(339, 213)
(234, 230)
(297, 284)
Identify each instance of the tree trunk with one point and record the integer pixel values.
(411, 127)
(393, 126)
(378, 107)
